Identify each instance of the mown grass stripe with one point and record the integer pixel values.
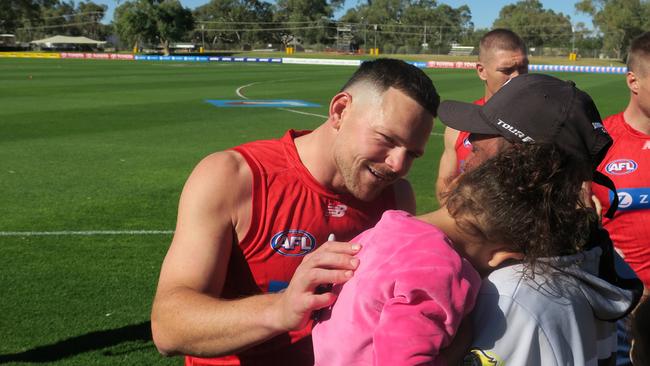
(86, 233)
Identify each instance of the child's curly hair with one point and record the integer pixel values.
(529, 197)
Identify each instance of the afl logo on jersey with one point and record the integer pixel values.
(293, 243)
(621, 167)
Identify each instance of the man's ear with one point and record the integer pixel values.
(632, 82)
(480, 70)
(501, 255)
(338, 105)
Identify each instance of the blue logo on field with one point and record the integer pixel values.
(621, 167)
(632, 198)
(286, 103)
(293, 243)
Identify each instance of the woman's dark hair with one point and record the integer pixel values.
(528, 197)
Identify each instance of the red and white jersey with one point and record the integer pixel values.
(627, 163)
(463, 146)
(291, 215)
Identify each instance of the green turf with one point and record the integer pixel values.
(107, 145)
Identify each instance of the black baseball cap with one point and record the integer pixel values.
(536, 108)
(540, 108)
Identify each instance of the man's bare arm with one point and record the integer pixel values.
(188, 317)
(447, 167)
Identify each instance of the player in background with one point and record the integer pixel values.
(502, 56)
(234, 283)
(627, 164)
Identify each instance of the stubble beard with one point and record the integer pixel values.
(352, 179)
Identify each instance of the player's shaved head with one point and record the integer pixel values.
(385, 73)
(499, 39)
(637, 58)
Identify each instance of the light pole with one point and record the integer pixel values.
(202, 37)
(425, 45)
(375, 26)
(363, 22)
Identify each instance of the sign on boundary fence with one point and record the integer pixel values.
(303, 61)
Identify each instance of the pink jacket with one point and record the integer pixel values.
(404, 302)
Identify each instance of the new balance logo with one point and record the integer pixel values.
(336, 209)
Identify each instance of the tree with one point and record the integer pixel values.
(134, 22)
(410, 23)
(309, 19)
(618, 20)
(534, 24)
(234, 21)
(90, 15)
(64, 18)
(30, 19)
(173, 21)
(152, 21)
(15, 14)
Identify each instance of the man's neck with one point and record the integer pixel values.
(636, 118)
(487, 95)
(316, 154)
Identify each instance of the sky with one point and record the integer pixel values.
(484, 12)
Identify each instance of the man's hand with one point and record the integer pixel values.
(333, 262)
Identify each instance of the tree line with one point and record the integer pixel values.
(396, 26)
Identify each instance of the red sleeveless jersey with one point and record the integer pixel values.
(627, 163)
(463, 146)
(291, 215)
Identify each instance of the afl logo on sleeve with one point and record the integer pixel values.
(293, 243)
(621, 167)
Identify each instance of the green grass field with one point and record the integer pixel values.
(107, 145)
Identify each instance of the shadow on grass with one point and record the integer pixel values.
(84, 343)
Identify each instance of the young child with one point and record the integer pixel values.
(418, 277)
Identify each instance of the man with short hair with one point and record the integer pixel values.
(234, 284)
(502, 56)
(565, 313)
(627, 163)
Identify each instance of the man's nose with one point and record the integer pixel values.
(398, 161)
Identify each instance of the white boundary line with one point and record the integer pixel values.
(238, 91)
(86, 233)
(241, 95)
(301, 112)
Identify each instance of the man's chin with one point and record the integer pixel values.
(369, 194)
